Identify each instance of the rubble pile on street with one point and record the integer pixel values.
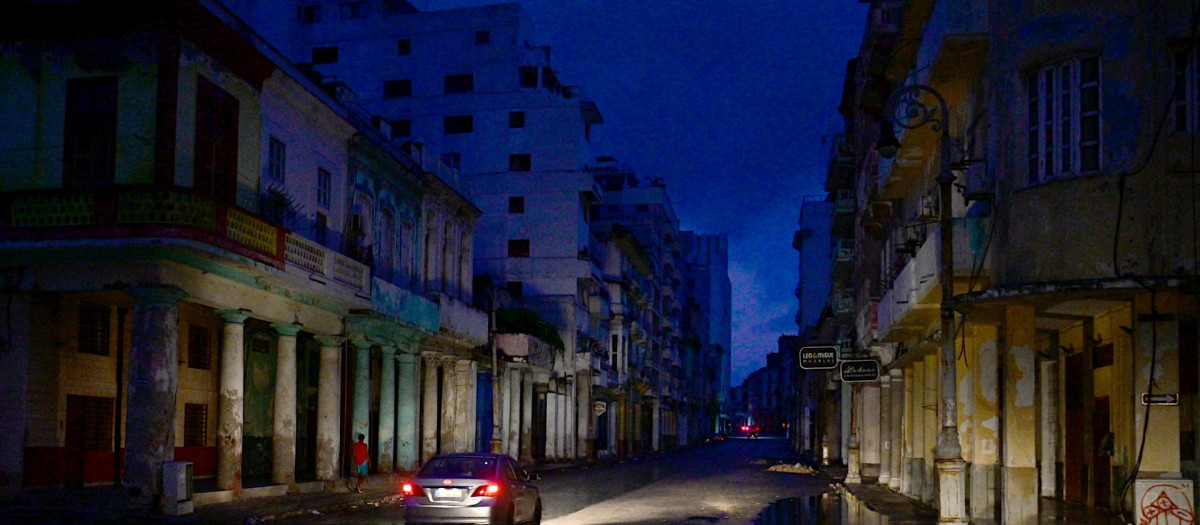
(796, 468)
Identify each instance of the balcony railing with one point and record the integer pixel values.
(324, 262)
(132, 212)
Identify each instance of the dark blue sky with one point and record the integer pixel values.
(727, 101)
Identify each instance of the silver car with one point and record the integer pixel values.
(488, 489)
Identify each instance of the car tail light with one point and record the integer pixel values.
(489, 490)
(408, 489)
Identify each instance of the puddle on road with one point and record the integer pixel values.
(827, 509)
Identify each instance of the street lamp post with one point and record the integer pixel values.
(906, 110)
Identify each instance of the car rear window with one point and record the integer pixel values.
(458, 468)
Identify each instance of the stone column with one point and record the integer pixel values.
(469, 379)
(429, 410)
(15, 355)
(585, 434)
(513, 424)
(406, 414)
(283, 435)
(932, 426)
(985, 450)
(885, 430)
(385, 438)
(656, 429)
(229, 404)
(526, 450)
(852, 454)
(916, 418)
(896, 418)
(449, 406)
(361, 418)
(1049, 433)
(1019, 476)
(329, 394)
(552, 425)
(152, 386)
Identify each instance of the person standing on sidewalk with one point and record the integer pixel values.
(361, 461)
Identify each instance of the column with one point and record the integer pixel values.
(283, 435)
(896, 422)
(885, 430)
(656, 407)
(1019, 475)
(985, 450)
(916, 417)
(406, 414)
(469, 398)
(852, 453)
(449, 405)
(17, 312)
(1048, 448)
(429, 410)
(386, 434)
(551, 425)
(152, 385)
(329, 394)
(526, 456)
(361, 418)
(933, 425)
(585, 434)
(501, 394)
(229, 404)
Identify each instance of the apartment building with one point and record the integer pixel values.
(1025, 257)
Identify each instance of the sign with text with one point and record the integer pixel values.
(860, 370)
(1160, 399)
(818, 357)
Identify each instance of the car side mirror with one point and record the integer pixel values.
(534, 477)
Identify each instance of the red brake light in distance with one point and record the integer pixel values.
(408, 489)
(489, 490)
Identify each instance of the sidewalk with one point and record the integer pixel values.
(870, 497)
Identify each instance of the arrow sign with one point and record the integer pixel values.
(860, 370)
(818, 357)
(1160, 399)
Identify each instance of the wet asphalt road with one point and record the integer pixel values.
(726, 482)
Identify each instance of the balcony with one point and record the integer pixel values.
(841, 167)
(911, 305)
(462, 321)
(526, 348)
(132, 213)
(323, 264)
(955, 39)
(843, 259)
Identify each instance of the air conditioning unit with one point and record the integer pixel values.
(1164, 501)
(177, 488)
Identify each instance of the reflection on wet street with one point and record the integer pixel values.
(813, 510)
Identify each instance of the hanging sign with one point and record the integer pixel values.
(818, 357)
(860, 370)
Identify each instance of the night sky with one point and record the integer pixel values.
(728, 101)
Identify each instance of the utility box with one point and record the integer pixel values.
(177, 488)
(1164, 501)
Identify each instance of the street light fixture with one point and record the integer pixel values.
(906, 109)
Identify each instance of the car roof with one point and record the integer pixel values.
(481, 455)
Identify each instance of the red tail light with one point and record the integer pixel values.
(408, 489)
(490, 490)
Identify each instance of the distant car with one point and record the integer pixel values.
(489, 489)
(751, 432)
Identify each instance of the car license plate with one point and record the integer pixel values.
(442, 493)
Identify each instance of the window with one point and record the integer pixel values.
(90, 137)
(518, 248)
(93, 329)
(452, 160)
(276, 157)
(528, 76)
(195, 424)
(321, 229)
(397, 88)
(516, 205)
(1185, 101)
(350, 10)
(404, 46)
(458, 124)
(1064, 119)
(483, 37)
(93, 418)
(216, 142)
(516, 289)
(324, 55)
(520, 162)
(401, 128)
(199, 347)
(464, 83)
(324, 188)
(516, 119)
(308, 14)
